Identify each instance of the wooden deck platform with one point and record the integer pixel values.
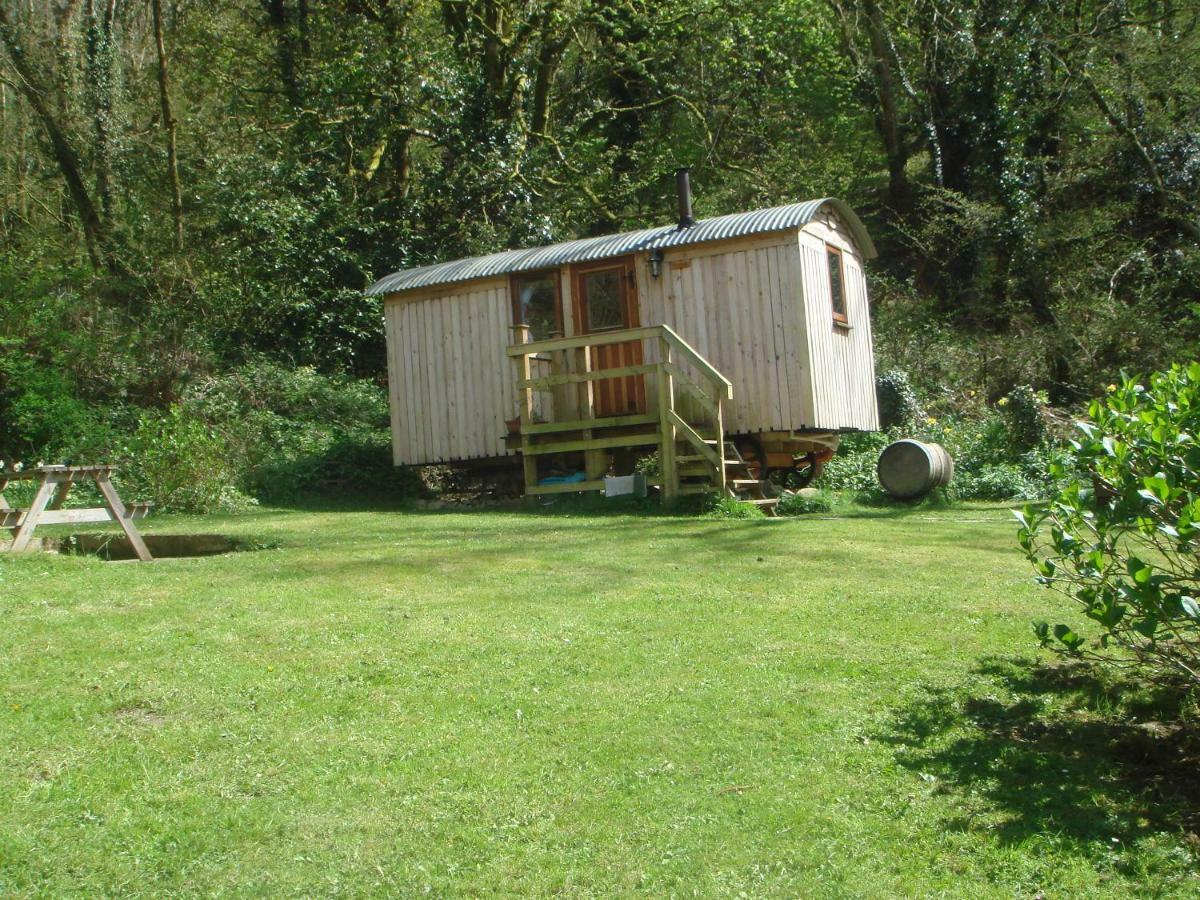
(683, 419)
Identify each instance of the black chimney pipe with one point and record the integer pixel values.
(683, 188)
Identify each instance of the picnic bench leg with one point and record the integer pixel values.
(24, 531)
(117, 509)
(60, 496)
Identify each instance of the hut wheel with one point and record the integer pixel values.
(754, 455)
(803, 471)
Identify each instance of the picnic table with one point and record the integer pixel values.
(53, 485)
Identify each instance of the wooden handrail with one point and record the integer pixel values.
(597, 339)
(706, 368)
(620, 336)
(671, 378)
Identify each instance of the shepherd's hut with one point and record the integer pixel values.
(735, 347)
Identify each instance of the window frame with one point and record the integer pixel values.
(839, 318)
(514, 294)
(630, 311)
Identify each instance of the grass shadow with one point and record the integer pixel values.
(1069, 750)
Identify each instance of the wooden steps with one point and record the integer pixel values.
(695, 455)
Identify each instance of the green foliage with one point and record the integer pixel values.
(996, 481)
(1013, 251)
(1121, 539)
(178, 462)
(898, 404)
(799, 504)
(715, 507)
(1024, 426)
(292, 432)
(993, 456)
(852, 468)
(649, 465)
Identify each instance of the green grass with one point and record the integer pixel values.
(498, 702)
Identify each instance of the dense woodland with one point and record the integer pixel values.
(194, 193)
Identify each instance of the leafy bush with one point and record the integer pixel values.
(292, 432)
(1023, 422)
(1121, 539)
(43, 416)
(799, 504)
(728, 508)
(898, 404)
(853, 466)
(179, 463)
(996, 481)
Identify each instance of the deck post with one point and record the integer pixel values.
(521, 335)
(595, 462)
(666, 405)
(719, 399)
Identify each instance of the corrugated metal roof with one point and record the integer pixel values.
(778, 218)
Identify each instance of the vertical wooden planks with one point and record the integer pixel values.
(498, 398)
(774, 297)
(394, 379)
(459, 376)
(412, 353)
(797, 322)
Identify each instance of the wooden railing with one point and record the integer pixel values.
(678, 371)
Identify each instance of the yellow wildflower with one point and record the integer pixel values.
(1003, 401)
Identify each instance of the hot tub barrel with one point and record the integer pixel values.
(910, 469)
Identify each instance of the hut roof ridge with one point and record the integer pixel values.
(762, 221)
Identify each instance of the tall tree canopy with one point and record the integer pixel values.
(184, 183)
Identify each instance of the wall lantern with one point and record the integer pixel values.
(656, 259)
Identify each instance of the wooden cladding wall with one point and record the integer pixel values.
(759, 309)
(451, 384)
(842, 355)
(740, 305)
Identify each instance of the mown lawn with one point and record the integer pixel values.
(499, 702)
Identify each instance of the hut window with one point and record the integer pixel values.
(837, 283)
(535, 303)
(604, 305)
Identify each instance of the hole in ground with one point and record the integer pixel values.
(116, 547)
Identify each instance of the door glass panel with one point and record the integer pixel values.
(536, 301)
(603, 294)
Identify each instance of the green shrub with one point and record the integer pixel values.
(43, 417)
(1024, 424)
(898, 404)
(1121, 540)
(995, 481)
(853, 466)
(728, 508)
(182, 465)
(801, 504)
(296, 432)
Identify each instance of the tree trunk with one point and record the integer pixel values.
(169, 125)
(285, 47)
(65, 155)
(101, 84)
(888, 119)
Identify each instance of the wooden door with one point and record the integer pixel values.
(605, 298)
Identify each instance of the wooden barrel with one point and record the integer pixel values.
(910, 469)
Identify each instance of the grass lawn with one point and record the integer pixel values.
(500, 702)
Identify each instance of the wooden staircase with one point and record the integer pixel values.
(694, 453)
(741, 484)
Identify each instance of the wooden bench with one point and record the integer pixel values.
(54, 483)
